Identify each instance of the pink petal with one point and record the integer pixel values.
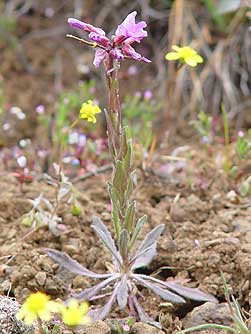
(116, 54)
(129, 28)
(102, 40)
(100, 55)
(129, 51)
(85, 26)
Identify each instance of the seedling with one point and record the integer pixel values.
(203, 125)
(239, 325)
(242, 145)
(44, 212)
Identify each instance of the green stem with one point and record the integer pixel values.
(208, 326)
(226, 137)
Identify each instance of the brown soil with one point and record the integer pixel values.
(206, 233)
(207, 230)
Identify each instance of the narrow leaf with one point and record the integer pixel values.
(143, 316)
(130, 184)
(128, 156)
(122, 293)
(129, 217)
(140, 223)
(145, 257)
(112, 136)
(123, 243)
(207, 326)
(190, 293)
(163, 293)
(73, 266)
(106, 238)
(119, 180)
(102, 312)
(150, 238)
(88, 293)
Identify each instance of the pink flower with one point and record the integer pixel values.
(129, 52)
(148, 94)
(85, 26)
(126, 327)
(100, 55)
(119, 46)
(129, 28)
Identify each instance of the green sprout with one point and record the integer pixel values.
(203, 125)
(242, 146)
(139, 114)
(239, 325)
(227, 163)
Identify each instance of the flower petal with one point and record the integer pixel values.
(198, 58)
(100, 55)
(190, 61)
(116, 54)
(85, 26)
(172, 56)
(100, 39)
(129, 28)
(129, 52)
(176, 48)
(30, 318)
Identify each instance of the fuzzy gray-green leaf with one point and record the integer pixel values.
(140, 223)
(72, 265)
(122, 293)
(150, 238)
(129, 217)
(123, 243)
(106, 238)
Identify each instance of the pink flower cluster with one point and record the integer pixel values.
(119, 47)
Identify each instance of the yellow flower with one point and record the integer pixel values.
(186, 54)
(89, 110)
(75, 314)
(37, 305)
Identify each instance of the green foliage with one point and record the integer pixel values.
(218, 19)
(7, 23)
(1, 105)
(222, 11)
(239, 325)
(138, 116)
(69, 101)
(227, 163)
(54, 330)
(234, 172)
(245, 188)
(243, 144)
(125, 328)
(242, 147)
(203, 125)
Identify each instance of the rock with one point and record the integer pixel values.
(177, 213)
(97, 327)
(142, 328)
(208, 313)
(8, 322)
(5, 286)
(40, 278)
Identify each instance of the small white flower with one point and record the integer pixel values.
(22, 161)
(6, 126)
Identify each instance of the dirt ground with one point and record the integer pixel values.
(207, 231)
(208, 227)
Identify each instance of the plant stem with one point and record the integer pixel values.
(208, 326)
(40, 329)
(226, 137)
(121, 185)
